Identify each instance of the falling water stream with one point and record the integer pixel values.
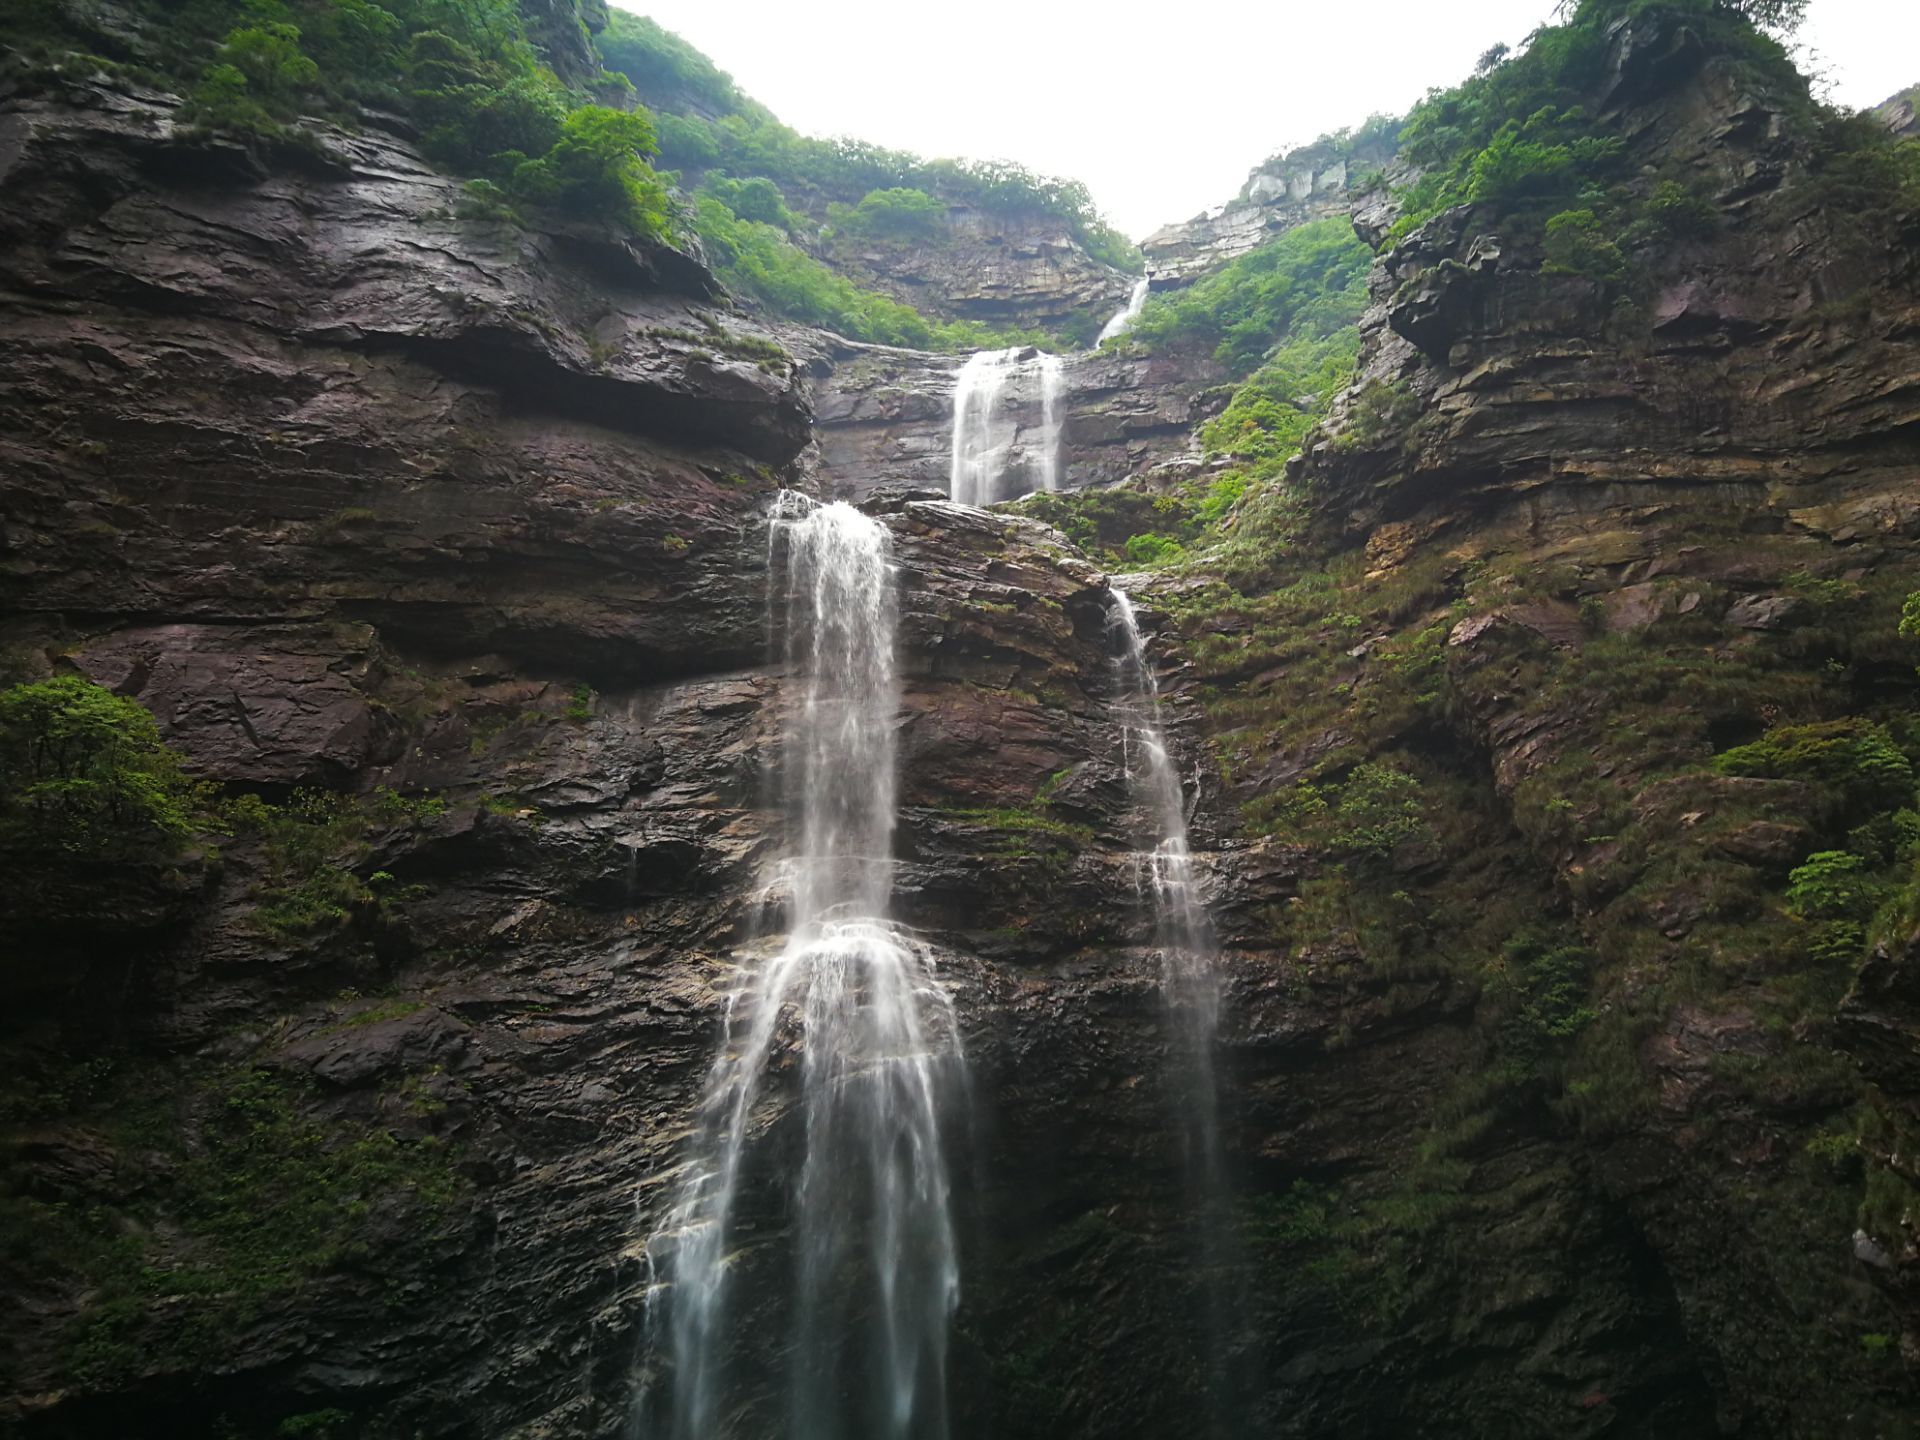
(998, 453)
(853, 1003)
(1184, 936)
(1123, 318)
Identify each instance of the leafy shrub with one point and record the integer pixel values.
(1832, 885)
(84, 772)
(1676, 213)
(256, 81)
(1577, 244)
(1854, 756)
(757, 199)
(1379, 415)
(899, 213)
(1153, 549)
(1310, 281)
(1373, 813)
(595, 169)
(1542, 987)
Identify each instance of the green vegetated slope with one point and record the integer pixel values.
(484, 89)
(784, 214)
(480, 86)
(1642, 774)
(1284, 321)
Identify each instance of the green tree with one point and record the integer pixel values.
(1578, 244)
(83, 772)
(898, 213)
(255, 82)
(596, 168)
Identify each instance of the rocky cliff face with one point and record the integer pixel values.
(1307, 183)
(367, 1108)
(1569, 543)
(1000, 270)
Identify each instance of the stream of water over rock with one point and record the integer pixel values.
(998, 452)
(859, 1338)
(1124, 317)
(1184, 936)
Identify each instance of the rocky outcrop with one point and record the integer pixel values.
(1308, 183)
(1899, 113)
(1567, 512)
(1007, 270)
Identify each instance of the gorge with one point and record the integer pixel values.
(663, 785)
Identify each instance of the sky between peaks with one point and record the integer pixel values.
(1161, 110)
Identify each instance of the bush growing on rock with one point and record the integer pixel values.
(83, 772)
(596, 169)
(255, 83)
(1578, 244)
(1856, 757)
(899, 213)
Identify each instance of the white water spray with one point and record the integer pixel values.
(1123, 318)
(876, 1274)
(999, 451)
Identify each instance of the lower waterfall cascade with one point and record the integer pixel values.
(875, 1271)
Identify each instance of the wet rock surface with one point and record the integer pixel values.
(354, 494)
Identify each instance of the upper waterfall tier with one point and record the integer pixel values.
(1124, 317)
(1006, 426)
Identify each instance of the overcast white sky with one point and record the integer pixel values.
(1162, 110)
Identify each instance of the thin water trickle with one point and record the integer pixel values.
(875, 1270)
(1189, 950)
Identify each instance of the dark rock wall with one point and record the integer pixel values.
(357, 494)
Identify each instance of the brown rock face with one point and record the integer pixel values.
(359, 1115)
(1012, 270)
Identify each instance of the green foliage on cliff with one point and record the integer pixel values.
(1312, 278)
(596, 168)
(256, 1192)
(83, 772)
(1578, 244)
(899, 213)
(763, 261)
(1516, 134)
(666, 70)
(1856, 758)
(714, 126)
(310, 849)
(464, 70)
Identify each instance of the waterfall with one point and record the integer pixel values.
(994, 452)
(1184, 930)
(1052, 380)
(1184, 935)
(875, 1271)
(1123, 318)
